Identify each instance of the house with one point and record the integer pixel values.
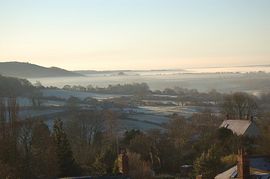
(256, 167)
(241, 127)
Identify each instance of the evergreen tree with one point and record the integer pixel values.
(104, 162)
(208, 164)
(66, 163)
(44, 158)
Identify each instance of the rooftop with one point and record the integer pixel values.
(259, 166)
(241, 127)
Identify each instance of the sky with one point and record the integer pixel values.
(135, 34)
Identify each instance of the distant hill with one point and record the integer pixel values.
(28, 70)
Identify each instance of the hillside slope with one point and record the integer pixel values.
(27, 70)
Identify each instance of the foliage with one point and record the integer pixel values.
(44, 158)
(66, 162)
(88, 143)
(229, 160)
(240, 105)
(10, 87)
(73, 103)
(105, 160)
(138, 168)
(135, 89)
(208, 164)
(129, 135)
(224, 133)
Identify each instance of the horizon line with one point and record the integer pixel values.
(154, 69)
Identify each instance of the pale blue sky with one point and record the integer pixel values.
(135, 34)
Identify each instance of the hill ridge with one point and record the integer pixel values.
(29, 70)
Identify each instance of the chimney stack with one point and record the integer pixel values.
(242, 165)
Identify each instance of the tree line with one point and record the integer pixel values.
(134, 88)
(88, 143)
(10, 87)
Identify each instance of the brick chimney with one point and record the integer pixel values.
(242, 165)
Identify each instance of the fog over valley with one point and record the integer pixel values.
(135, 89)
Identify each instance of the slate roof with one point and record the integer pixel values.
(259, 166)
(241, 127)
(227, 174)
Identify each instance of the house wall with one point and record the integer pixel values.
(252, 131)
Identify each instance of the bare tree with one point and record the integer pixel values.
(111, 123)
(82, 130)
(240, 105)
